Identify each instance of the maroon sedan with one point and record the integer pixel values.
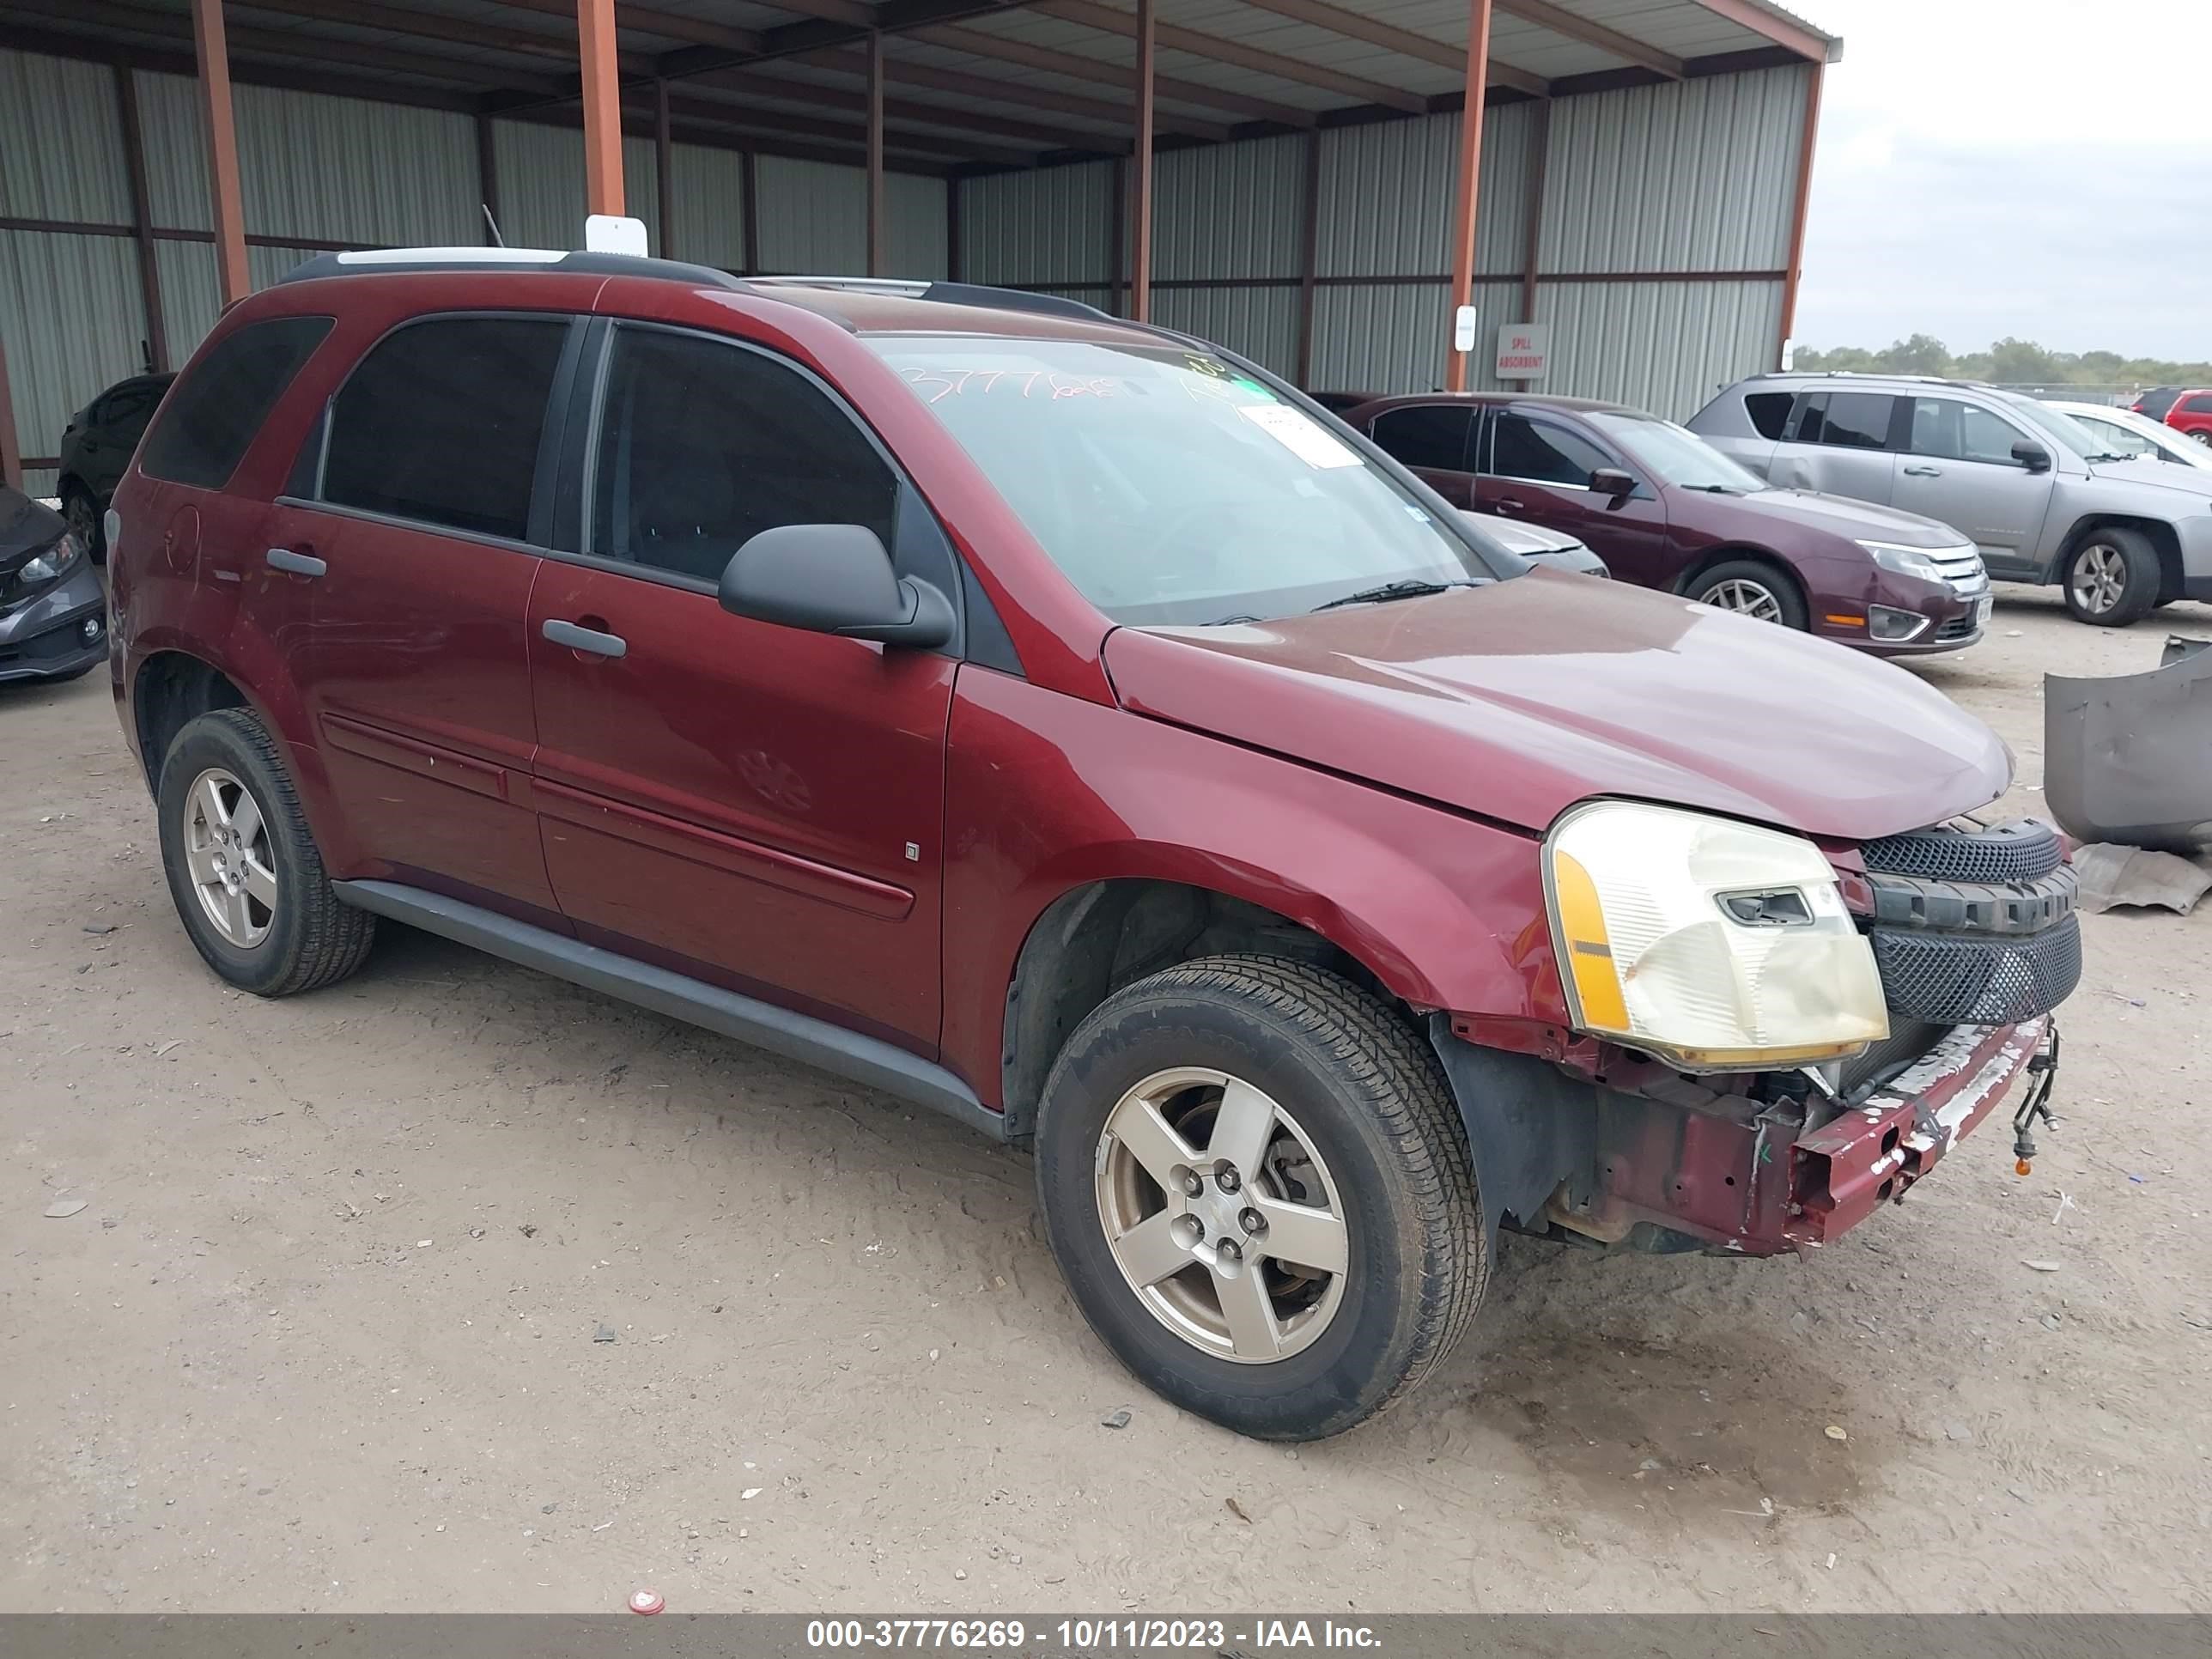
(1665, 509)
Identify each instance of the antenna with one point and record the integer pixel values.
(492, 224)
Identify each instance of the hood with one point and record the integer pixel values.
(1520, 536)
(2150, 472)
(26, 528)
(1516, 700)
(1840, 515)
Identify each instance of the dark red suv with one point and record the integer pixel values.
(1065, 725)
(1664, 508)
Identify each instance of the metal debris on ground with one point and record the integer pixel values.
(2113, 876)
(1117, 1418)
(100, 927)
(2042, 1266)
(2129, 758)
(62, 1208)
(605, 1333)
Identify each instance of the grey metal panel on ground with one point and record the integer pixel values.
(913, 207)
(709, 188)
(1666, 347)
(541, 185)
(1230, 210)
(813, 217)
(344, 170)
(70, 313)
(1392, 336)
(1692, 175)
(1386, 192)
(1052, 225)
(61, 142)
(1261, 323)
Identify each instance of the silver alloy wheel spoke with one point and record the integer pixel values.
(260, 881)
(229, 859)
(207, 799)
(1242, 1125)
(1152, 1250)
(200, 861)
(1301, 1234)
(1250, 1313)
(246, 820)
(1746, 599)
(1138, 1125)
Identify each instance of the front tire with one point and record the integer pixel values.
(244, 871)
(82, 514)
(1257, 1185)
(2112, 577)
(1753, 588)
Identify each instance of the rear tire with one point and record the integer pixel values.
(1754, 588)
(2110, 577)
(243, 869)
(1369, 1257)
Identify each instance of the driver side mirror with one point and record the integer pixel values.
(1611, 481)
(2033, 456)
(832, 578)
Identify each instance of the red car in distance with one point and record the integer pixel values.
(2191, 414)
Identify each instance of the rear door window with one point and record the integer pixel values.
(1433, 435)
(1845, 420)
(208, 426)
(1769, 412)
(2199, 405)
(441, 422)
(1537, 452)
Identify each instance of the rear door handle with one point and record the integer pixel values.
(1923, 471)
(300, 564)
(584, 639)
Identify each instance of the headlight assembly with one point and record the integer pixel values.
(1906, 562)
(61, 556)
(1714, 945)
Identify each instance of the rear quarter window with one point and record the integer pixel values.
(1769, 412)
(206, 428)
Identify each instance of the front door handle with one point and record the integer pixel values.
(584, 639)
(1512, 506)
(300, 564)
(1923, 471)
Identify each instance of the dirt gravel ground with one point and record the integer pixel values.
(323, 1336)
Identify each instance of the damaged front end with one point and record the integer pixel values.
(1974, 933)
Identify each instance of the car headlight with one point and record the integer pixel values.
(1715, 945)
(52, 562)
(1907, 561)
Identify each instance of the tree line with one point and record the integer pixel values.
(2008, 363)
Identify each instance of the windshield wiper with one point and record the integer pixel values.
(1714, 490)
(1415, 588)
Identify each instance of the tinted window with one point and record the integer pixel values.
(1951, 430)
(204, 431)
(1430, 435)
(441, 421)
(1542, 453)
(1849, 420)
(1769, 412)
(2199, 405)
(127, 405)
(704, 445)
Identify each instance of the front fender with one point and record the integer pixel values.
(1046, 793)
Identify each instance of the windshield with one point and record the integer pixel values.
(1172, 488)
(1675, 454)
(2062, 427)
(2126, 433)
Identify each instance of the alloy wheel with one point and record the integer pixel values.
(2100, 576)
(1746, 598)
(227, 854)
(83, 519)
(1221, 1215)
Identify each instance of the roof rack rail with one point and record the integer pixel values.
(361, 262)
(949, 294)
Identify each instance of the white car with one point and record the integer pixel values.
(2131, 433)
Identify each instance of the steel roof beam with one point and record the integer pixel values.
(900, 112)
(1110, 21)
(999, 48)
(1357, 25)
(648, 20)
(431, 26)
(1750, 14)
(1575, 27)
(935, 79)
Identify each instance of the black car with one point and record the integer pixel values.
(2157, 401)
(97, 447)
(53, 612)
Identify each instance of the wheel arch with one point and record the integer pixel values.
(2161, 535)
(1741, 551)
(172, 689)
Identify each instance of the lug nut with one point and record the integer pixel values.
(1227, 1175)
(1252, 1221)
(1192, 1185)
(1229, 1251)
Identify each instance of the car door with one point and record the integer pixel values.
(1436, 441)
(1538, 469)
(402, 556)
(1839, 442)
(1958, 466)
(754, 804)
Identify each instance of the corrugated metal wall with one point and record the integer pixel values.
(1387, 192)
(1666, 347)
(1045, 228)
(814, 220)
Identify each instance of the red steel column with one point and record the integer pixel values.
(1141, 242)
(1804, 203)
(222, 150)
(603, 133)
(1470, 177)
(878, 248)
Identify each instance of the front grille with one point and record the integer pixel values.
(2026, 849)
(1960, 979)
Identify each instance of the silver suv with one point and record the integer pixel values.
(2043, 499)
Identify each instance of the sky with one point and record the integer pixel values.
(2039, 168)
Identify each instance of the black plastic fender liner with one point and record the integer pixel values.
(1529, 1126)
